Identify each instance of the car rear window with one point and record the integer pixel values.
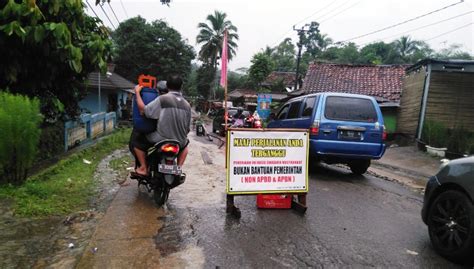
(294, 110)
(308, 106)
(283, 111)
(350, 109)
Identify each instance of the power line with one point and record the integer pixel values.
(398, 24)
(355, 4)
(105, 13)
(445, 33)
(93, 10)
(124, 10)
(330, 4)
(422, 27)
(115, 15)
(334, 9)
(317, 11)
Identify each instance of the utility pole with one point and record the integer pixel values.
(301, 33)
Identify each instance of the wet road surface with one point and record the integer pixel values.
(351, 221)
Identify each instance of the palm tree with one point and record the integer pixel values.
(211, 35)
(324, 42)
(405, 46)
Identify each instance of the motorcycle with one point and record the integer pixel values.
(232, 122)
(164, 173)
(252, 122)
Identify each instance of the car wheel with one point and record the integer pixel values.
(359, 167)
(451, 226)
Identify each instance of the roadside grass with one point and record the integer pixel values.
(66, 186)
(120, 165)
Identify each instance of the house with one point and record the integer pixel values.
(108, 98)
(279, 81)
(106, 93)
(437, 90)
(383, 82)
(248, 98)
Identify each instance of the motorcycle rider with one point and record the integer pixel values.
(173, 115)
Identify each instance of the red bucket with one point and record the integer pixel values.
(274, 200)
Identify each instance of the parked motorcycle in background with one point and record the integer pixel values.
(253, 121)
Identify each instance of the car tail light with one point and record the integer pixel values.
(314, 128)
(170, 148)
(384, 134)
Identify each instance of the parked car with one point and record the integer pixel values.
(344, 128)
(219, 119)
(448, 210)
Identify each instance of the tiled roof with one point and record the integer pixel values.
(113, 81)
(237, 93)
(384, 82)
(275, 76)
(247, 93)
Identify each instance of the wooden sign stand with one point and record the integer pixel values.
(298, 203)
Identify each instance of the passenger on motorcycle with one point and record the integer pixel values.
(173, 115)
(238, 118)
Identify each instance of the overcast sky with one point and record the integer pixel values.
(268, 22)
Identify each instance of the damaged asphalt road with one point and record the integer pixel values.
(350, 221)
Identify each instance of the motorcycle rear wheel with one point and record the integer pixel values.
(160, 195)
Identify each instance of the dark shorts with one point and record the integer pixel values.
(138, 140)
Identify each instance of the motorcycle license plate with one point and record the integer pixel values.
(169, 169)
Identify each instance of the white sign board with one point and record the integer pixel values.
(263, 161)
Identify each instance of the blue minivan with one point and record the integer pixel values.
(344, 128)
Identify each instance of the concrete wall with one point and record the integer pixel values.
(87, 128)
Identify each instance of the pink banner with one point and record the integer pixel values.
(224, 60)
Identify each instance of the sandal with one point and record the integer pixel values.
(135, 175)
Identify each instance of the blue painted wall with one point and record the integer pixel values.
(90, 103)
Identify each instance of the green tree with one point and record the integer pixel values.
(424, 51)
(48, 49)
(348, 54)
(410, 51)
(261, 67)
(406, 47)
(211, 36)
(284, 56)
(314, 42)
(236, 81)
(269, 51)
(190, 86)
(454, 51)
(151, 48)
(205, 77)
(379, 53)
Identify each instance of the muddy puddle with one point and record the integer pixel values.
(56, 242)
